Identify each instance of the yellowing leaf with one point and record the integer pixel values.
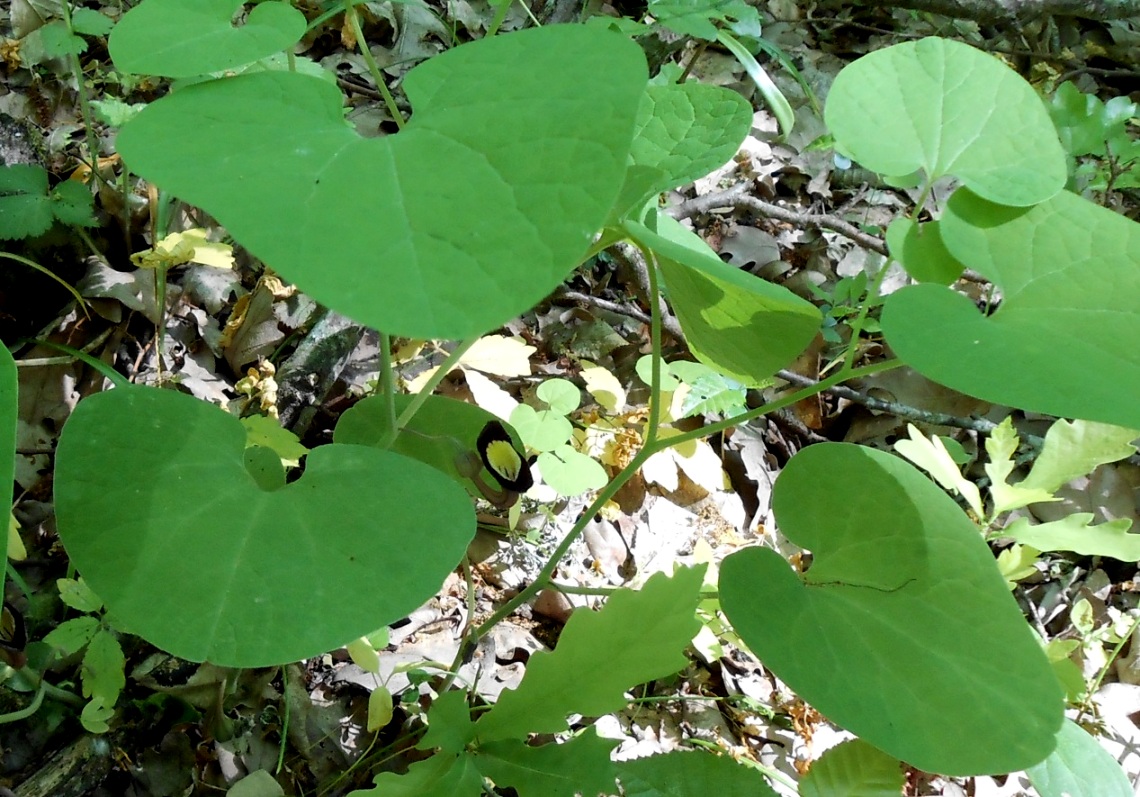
(16, 550)
(364, 656)
(379, 708)
(179, 248)
(499, 355)
(931, 455)
(1001, 446)
(490, 396)
(604, 387)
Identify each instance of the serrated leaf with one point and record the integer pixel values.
(103, 668)
(58, 41)
(72, 203)
(636, 637)
(1076, 533)
(78, 595)
(71, 635)
(581, 765)
(25, 209)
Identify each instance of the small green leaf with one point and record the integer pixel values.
(571, 472)
(103, 668)
(25, 209)
(78, 595)
(1079, 767)
(438, 776)
(945, 108)
(920, 249)
(561, 395)
(71, 635)
(854, 769)
(541, 430)
(58, 41)
(931, 455)
(184, 38)
(380, 711)
(1001, 445)
(261, 430)
(636, 637)
(96, 714)
(90, 22)
(72, 203)
(694, 17)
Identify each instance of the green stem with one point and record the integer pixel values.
(857, 325)
(373, 67)
(387, 379)
(84, 100)
(1095, 685)
(418, 399)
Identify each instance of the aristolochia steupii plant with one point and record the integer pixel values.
(519, 151)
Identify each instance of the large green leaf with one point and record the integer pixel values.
(183, 38)
(1063, 340)
(1079, 767)
(580, 765)
(688, 130)
(944, 108)
(159, 513)
(735, 322)
(481, 206)
(902, 631)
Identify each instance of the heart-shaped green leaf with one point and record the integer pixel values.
(183, 38)
(943, 107)
(1063, 340)
(1079, 767)
(158, 511)
(737, 323)
(902, 631)
(480, 207)
(920, 249)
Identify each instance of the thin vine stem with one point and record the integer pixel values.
(429, 387)
(373, 67)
